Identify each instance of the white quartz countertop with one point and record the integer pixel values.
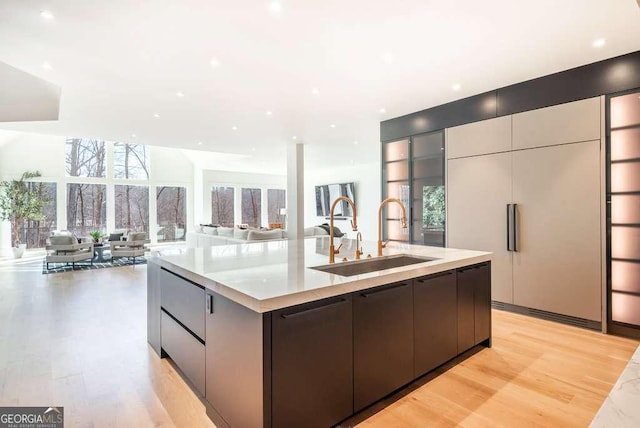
(266, 276)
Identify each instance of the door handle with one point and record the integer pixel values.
(209, 304)
(509, 228)
(393, 287)
(515, 227)
(315, 309)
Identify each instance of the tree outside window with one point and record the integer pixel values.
(85, 158)
(222, 205)
(132, 208)
(36, 232)
(130, 161)
(251, 206)
(86, 208)
(171, 207)
(276, 200)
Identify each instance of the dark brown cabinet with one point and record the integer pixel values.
(312, 364)
(474, 305)
(435, 321)
(382, 341)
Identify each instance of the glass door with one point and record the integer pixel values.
(623, 197)
(395, 184)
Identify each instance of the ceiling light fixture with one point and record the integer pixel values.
(46, 14)
(133, 135)
(156, 115)
(315, 91)
(456, 86)
(356, 143)
(269, 113)
(294, 137)
(199, 143)
(332, 125)
(47, 66)
(214, 62)
(387, 57)
(275, 6)
(234, 128)
(180, 94)
(598, 43)
(383, 110)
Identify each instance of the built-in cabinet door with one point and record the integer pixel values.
(482, 303)
(557, 267)
(312, 364)
(561, 124)
(479, 138)
(382, 341)
(435, 321)
(153, 306)
(478, 191)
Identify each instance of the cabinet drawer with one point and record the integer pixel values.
(185, 350)
(184, 300)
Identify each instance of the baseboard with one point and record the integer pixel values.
(549, 316)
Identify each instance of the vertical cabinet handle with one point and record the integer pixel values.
(509, 227)
(209, 303)
(515, 227)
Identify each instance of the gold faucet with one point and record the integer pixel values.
(354, 224)
(359, 251)
(382, 245)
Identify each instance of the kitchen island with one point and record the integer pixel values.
(269, 340)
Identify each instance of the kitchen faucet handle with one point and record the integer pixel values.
(337, 250)
(384, 244)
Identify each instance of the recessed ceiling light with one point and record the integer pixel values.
(214, 62)
(356, 143)
(156, 115)
(235, 128)
(456, 86)
(275, 6)
(269, 113)
(253, 149)
(383, 110)
(46, 14)
(315, 91)
(47, 66)
(199, 143)
(133, 135)
(387, 57)
(294, 137)
(332, 125)
(598, 43)
(180, 94)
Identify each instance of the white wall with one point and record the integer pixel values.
(367, 194)
(46, 153)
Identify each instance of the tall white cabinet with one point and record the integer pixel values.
(548, 162)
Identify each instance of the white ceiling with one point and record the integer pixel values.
(120, 62)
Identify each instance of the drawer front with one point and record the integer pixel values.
(185, 351)
(184, 300)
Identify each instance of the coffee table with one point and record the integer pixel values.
(99, 253)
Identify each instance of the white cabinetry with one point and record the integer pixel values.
(551, 170)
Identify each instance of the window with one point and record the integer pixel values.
(222, 210)
(132, 208)
(86, 208)
(172, 207)
(130, 161)
(251, 206)
(85, 158)
(36, 232)
(276, 200)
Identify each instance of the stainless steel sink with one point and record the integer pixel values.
(372, 265)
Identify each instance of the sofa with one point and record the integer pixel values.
(209, 236)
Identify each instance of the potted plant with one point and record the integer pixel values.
(19, 202)
(97, 236)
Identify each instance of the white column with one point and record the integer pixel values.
(295, 191)
(153, 214)
(5, 238)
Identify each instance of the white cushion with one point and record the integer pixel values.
(225, 231)
(308, 231)
(261, 235)
(319, 231)
(210, 230)
(240, 233)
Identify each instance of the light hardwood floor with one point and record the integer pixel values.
(78, 340)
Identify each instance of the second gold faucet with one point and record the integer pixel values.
(381, 244)
(354, 224)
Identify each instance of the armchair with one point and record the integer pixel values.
(133, 247)
(66, 249)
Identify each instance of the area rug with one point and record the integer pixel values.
(63, 267)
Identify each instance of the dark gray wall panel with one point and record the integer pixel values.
(467, 110)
